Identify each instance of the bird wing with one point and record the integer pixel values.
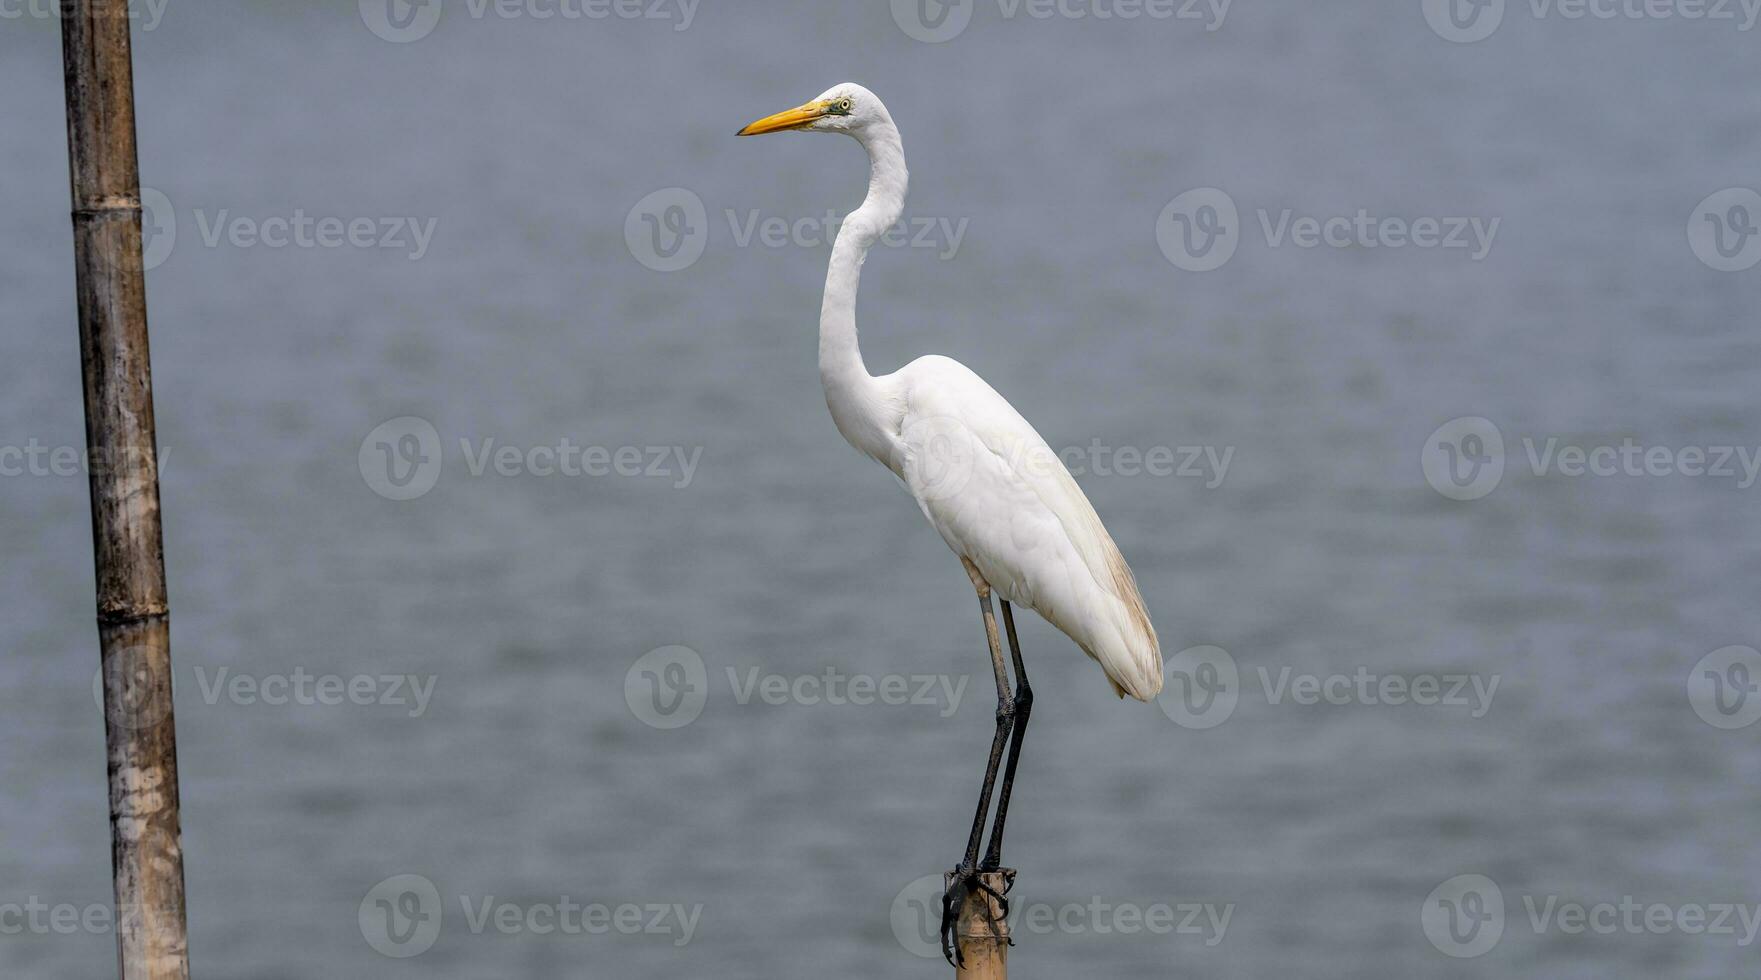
(1002, 498)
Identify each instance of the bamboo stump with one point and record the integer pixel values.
(981, 931)
(134, 628)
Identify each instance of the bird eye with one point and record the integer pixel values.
(844, 104)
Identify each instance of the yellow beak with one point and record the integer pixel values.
(798, 118)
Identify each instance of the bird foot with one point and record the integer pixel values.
(963, 881)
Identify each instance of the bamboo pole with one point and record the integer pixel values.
(134, 627)
(982, 931)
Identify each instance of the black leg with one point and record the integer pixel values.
(993, 857)
(1005, 722)
(965, 877)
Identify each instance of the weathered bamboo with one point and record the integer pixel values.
(133, 620)
(982, 931)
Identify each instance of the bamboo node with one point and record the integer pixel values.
(109, 204)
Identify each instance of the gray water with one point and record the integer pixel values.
(526, 600)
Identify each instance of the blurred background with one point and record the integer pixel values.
(539, 232)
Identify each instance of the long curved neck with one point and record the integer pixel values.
(851, 392)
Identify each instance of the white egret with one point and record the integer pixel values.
(999, 496)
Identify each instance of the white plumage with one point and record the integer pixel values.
(997, 494)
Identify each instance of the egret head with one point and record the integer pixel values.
(846, 108)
